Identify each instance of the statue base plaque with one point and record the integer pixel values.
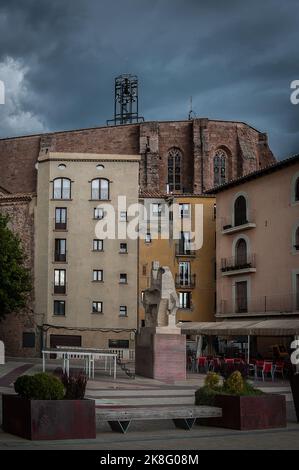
(161, 354)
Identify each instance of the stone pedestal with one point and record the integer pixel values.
(159, 355)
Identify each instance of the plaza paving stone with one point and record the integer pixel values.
(150, 435)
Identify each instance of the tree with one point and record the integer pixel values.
(15, 278)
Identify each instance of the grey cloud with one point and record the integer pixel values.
(235, 58)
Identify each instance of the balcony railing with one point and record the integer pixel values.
(185, 281)
(236, 223)
(60, 289)
(182, 250)
(60, 257)
(276, 303)
(236, 263)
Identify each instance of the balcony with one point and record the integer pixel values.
(228, 225)
(185, 282)
(60, 289)
(59, 257)
(238, 265)
(276, 304)
(182, 250)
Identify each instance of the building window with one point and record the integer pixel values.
(123, 248)
(184, 273)
(220, 167)
(59, 307)
(97, 307)
(118, 343)
(240, 211)
(100, 189)
(98, 213)
(123, 216)
(184, 210)
(60, 218)
(148, 238)
(97, 275)
(156, 209)
(241, 299)
(185, 243)
(123, 311)
(241, 253)
(98, 245)
(174, 169)
(59, 281)
(60, 250)
(28, 339)
(185, 300)
(123, 279)
(62, 188)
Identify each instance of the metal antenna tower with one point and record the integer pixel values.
(125, 100)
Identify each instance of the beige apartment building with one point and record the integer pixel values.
(257, 248)
(85, 281)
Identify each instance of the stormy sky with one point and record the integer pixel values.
(58, 60)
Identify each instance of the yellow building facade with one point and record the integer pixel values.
(166, 232)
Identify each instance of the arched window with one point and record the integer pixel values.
(241, 252)
(174, 169)
(100, 189)
(62, 188)
(220, 167)
(297, 189)
(240, 211)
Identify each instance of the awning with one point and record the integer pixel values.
(286, 327)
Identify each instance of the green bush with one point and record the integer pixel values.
(212, 380)
(205, 396)
(234, 384)
(40, 386)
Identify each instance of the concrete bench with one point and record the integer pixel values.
(183, 417)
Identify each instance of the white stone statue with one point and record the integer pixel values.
(161, 301)
(2, 353)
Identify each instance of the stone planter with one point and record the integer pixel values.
(294, 381)
(48, 419)
(250, 412)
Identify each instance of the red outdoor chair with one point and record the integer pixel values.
(279, 369)
(229, 361)
(268, 369)
(202, 363)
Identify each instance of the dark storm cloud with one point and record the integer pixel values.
(235, 58)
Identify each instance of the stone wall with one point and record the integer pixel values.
(198, 139)
(20, 209)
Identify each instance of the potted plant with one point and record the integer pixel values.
(47, 408)
(294, 381)
(243, 406)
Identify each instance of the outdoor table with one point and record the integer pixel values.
(88, 355)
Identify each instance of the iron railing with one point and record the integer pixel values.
(276, 303)
(235, 263)
(185, 281)
(182, 250)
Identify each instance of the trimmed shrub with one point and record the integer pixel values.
(212, 380)
(205, 396)
(234, 384)
(227, 369)
(40, 386)
(75, 386)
